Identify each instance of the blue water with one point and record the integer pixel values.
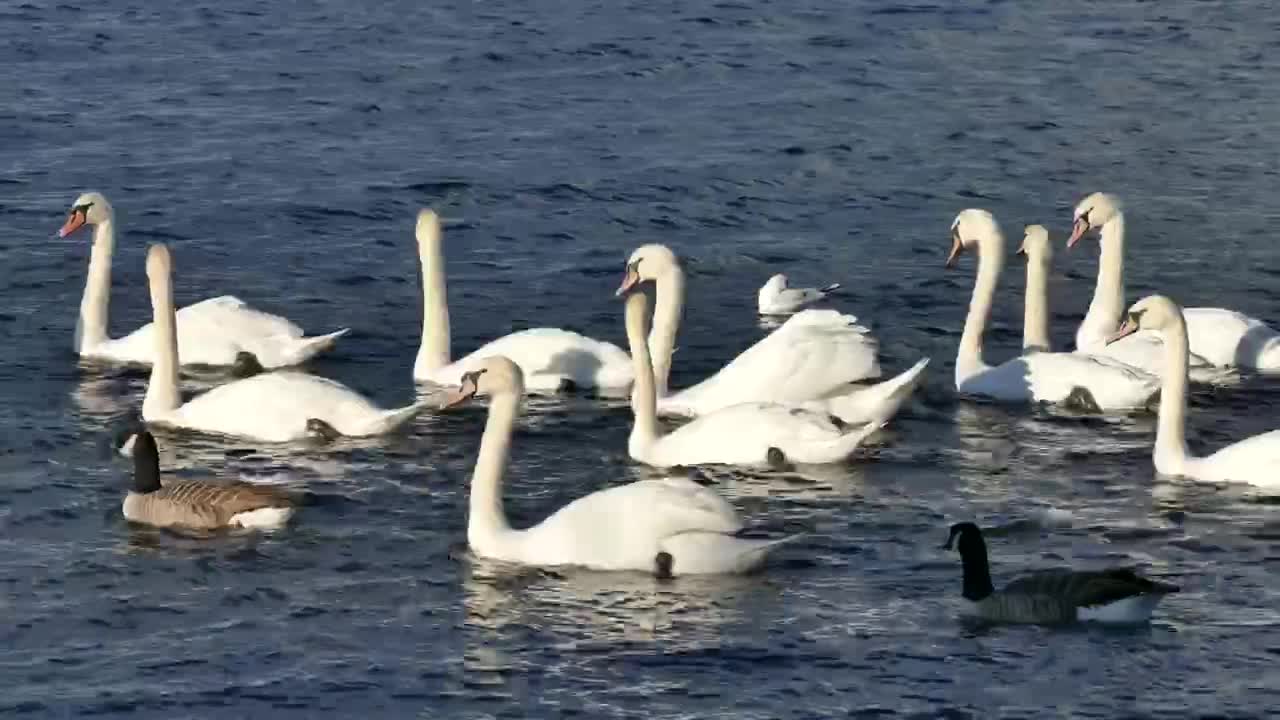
(282, 148)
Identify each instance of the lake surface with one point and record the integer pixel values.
(282, 149)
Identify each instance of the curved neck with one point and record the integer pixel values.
(487, 520)
(91, 328)
(162, 390)
(433, 353)
(1035, 307)
(977, 573)
(1171, 439)
(668, 306)
(990, 262)
(1103, 317)
(644, 395)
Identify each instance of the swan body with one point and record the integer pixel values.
(1038, 376)
(197, 505)
(1255, 460)
(743, 434)
(776, 298)
(812, 355)
(1217, 336)
(551, 359)
(210, 332)
(1048, 597)
(272, 407)
(669, 526)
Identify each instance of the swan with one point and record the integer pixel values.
(197, 505)
(750, 434)
(552, 359)
(1050, 597)
(775, 298)
(272, 407)
(1052, 377)
(813, 355)
(210, 332)
(669, 526)
(1255, 460)
(1220, 337)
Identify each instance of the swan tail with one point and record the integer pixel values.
(308, 347)
(699, 552)
(877, 403)
(391, 419)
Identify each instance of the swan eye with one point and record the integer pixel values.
(1084, 217)
(955, 232)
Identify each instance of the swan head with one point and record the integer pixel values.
(1153, 312)
(90, 208)
(427, 231)
(648, 262)
(971, 227)
(775, 284)
(1035, 244)
(159, 261)
(1092, 212)
(494, 376)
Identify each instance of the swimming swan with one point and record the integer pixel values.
(552, 359)
(272, 407)
(210, 332)
(670, 526)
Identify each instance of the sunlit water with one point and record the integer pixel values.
(282, 149)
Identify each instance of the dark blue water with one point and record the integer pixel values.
(282, 148)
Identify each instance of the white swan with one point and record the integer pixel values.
(551, 359)
(750, 434)
(210, 332)
(1041, 376)
(1255, 460)
(671, 526)
(814, 354)
(1220, 337)
(775, 298)
(271, 407)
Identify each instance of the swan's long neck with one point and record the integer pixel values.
(668, 306)
(91, 328)
(990, 262)
(1103, 317)
(487, 524)
(162, 390)
(1171, 439)
(433, 353)
(644, 395)
(1035, 309)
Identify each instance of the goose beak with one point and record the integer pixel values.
(74, 222)
(1128, 328)
(1078, 229)
(957, 249)
(630, 280)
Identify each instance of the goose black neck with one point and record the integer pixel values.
(973, 556)
(146, 464)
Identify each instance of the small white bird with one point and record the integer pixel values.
(777, 299)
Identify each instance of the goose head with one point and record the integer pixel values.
(495, 375)
(972, 227)
(1092, 213)
(648, 262)
(1153, 312)
(427, 231)
(90, 208)
(1035, 244)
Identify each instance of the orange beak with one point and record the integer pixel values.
(460, 396)
(957, 249)
(630, 280)
(1077, 231)
(1128, 328)
(74, 222)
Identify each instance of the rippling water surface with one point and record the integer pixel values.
(282, 148)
